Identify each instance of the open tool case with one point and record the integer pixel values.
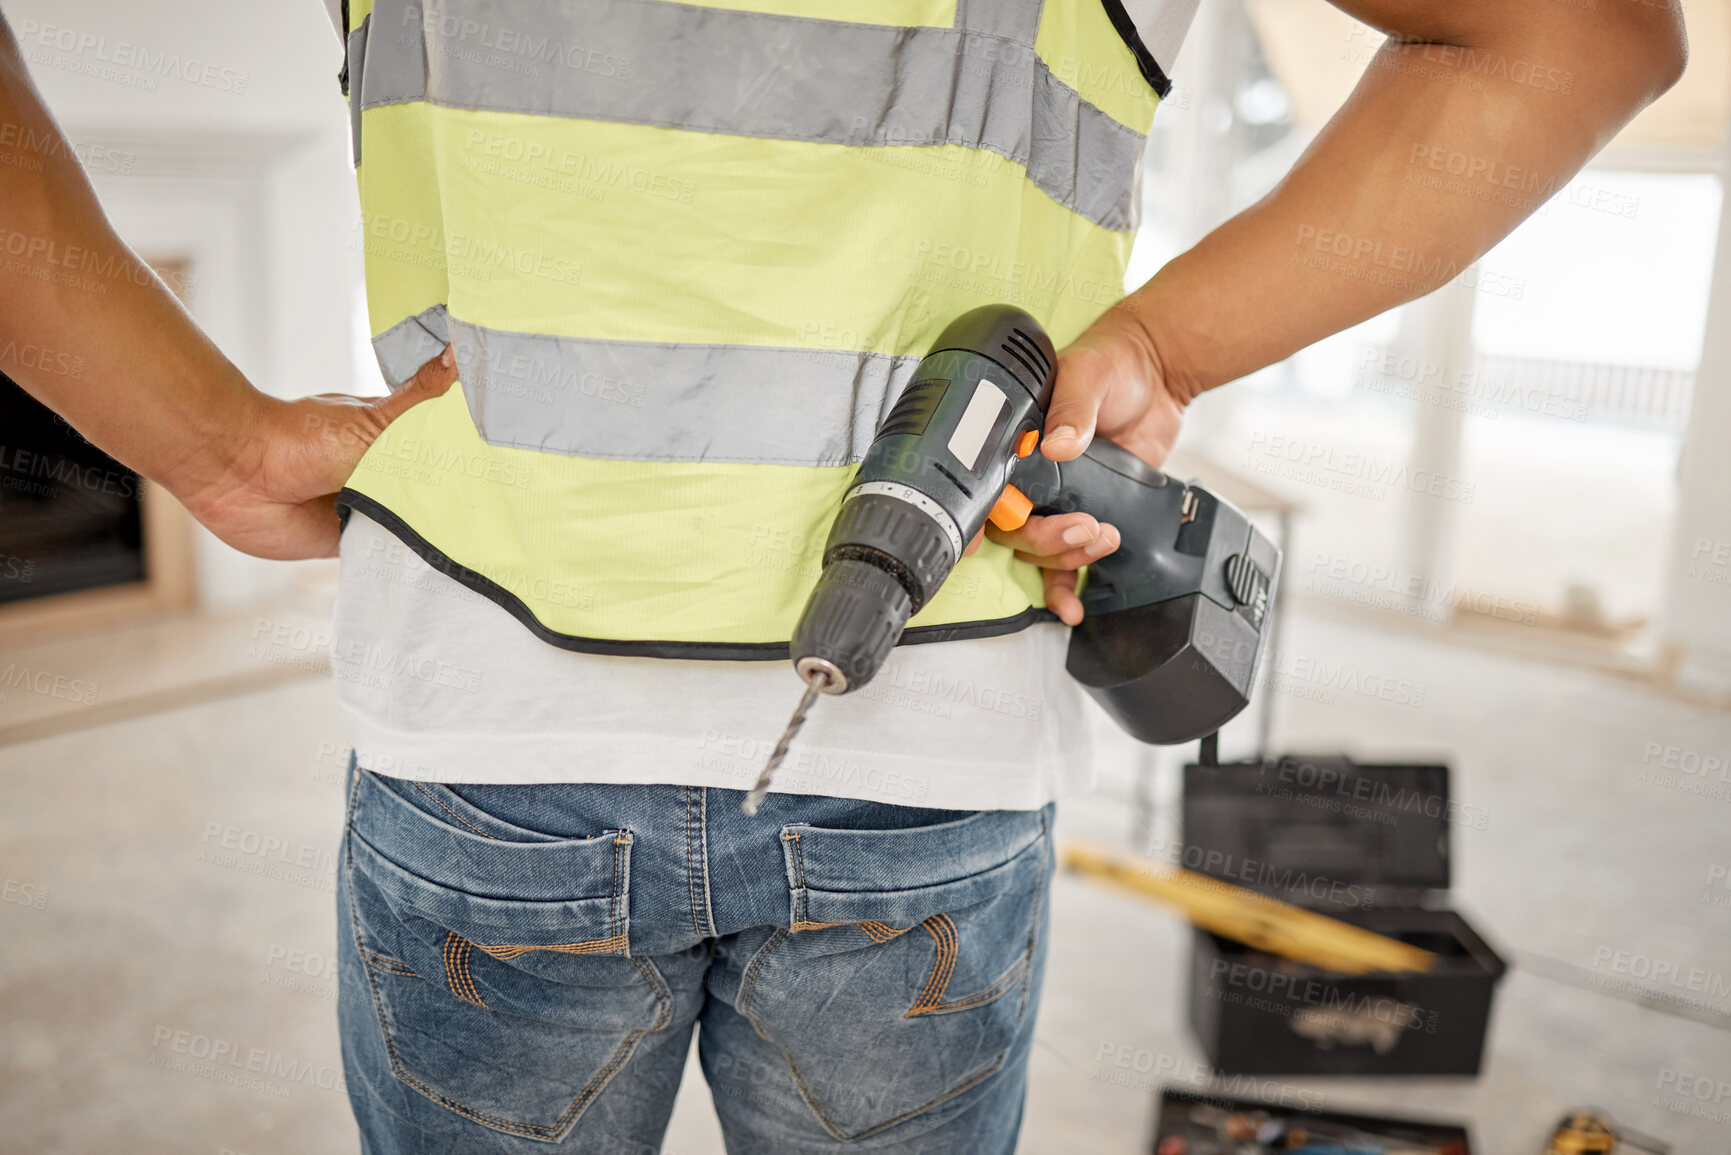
(1368, 845)
(1192, 1124)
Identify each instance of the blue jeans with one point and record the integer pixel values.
(522, 968)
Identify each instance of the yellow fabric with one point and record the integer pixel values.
(612, 549)
(627, 232)
(1080, 46)
(630, 232)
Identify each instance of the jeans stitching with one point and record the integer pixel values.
(943, 932)
(690, 865)
(703, 821)
(386, 964)
(453, 813)
(462, 983)
(615, 918)
(748, 982)
(505, 952)
(790, 839)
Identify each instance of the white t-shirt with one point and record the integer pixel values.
(441, 684)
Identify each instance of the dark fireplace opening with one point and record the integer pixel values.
(71, 517)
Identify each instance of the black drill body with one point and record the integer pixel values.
(1174, 617)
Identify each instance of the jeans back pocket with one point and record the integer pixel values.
(499, 968)
(903, 978)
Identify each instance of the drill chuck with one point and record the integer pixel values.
(852, 621)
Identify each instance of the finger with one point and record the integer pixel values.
(429, 381)
(1107, 542)
(1061, 596)
(973, 546)
(1050, 535)
(1084, 378)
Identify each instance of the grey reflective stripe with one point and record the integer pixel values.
(645, 401)
(355, 67)
(1018, 21)
(396, 70)
(753, 74)
(410, 343)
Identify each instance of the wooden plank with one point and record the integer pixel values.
(1255, 919)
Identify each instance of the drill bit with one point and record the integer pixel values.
(816, 682)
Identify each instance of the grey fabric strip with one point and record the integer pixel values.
(355, 61)
(644, 401)
(1018, 20)
(396, 68)
(752, 74)
(411, 343)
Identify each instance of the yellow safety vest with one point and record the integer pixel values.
(688, 256)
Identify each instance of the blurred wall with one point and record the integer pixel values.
(217, 132)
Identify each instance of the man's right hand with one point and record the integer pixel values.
(274, 499)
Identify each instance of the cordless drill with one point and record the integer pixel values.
(1173, 619)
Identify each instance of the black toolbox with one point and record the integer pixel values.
(1369, 845)
(1199, 1124)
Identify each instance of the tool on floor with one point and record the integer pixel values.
(1174, 618)
(1255, 919)
(1586, 1131)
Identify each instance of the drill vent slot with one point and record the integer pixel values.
(913, 410)
(1028, 352)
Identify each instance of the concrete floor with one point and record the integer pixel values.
(130, 941)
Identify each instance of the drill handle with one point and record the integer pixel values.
(1115, 486)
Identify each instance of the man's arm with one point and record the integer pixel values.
(1529, 85)
(154, 392)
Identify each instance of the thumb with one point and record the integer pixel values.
(429, 381)
(1077, 394)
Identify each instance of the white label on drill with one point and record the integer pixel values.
(977, 420)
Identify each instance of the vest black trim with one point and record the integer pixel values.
(349, 499)
(1151, 70)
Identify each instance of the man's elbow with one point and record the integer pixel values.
(1653, 46)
